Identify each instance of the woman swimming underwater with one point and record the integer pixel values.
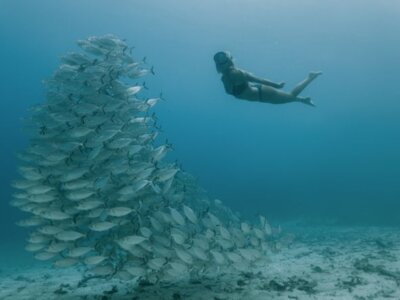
(244, 85)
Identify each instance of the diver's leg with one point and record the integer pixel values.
(306, 100)
(280, 97)
(302, 85)
(267, 94)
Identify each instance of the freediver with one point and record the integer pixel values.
(244, 85)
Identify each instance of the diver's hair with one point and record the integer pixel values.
(223, 57)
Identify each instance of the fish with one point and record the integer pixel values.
(38, 239)
(185, 256)
(103, 270)
(102, 226)
(225, 244)
(23, 184)
(234, 257)
(254, 241)
(162, 251)
(199, 253)
(135, 251)
(55, 215)
(57, 247)
(18, 203)
(96, 120)
(159, 154)
(101, 182)
(131, 67)
(21, 196)
(214, 220)
(134, 187)
(166, 174)
(136, 271)
(178, 268)
(259, 233)
(94, 260)
(156, 263)
(90, 48)
(69, 146)
(152, 101)
(167, 186)
(119, 143)
(69, 235)
(145, 175)
(78, 195)
(218, 257)
(45, 255)
(30, 173)
(73, 174)
(245, 228)
(177, 217)
(79, 251)
(74, 59)
(241, 266)
(268, 229)
(133, 90)
(77, 184)
(178, 238)
(39, 189)
(63, 117)
(79, 132)
(65, 262)
(106, 42)
(156, 225)
(119, 211)
(89, 204)
(224, 233)
(42, 198)
(131, 240)
(95, 213)
(30, 222)
(145, 232)
(190, 214)
(134, 149)
(138, 73)
(34, 247)
(49, 230)
(218, 202)
(249, 254)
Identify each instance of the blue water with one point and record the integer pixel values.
(336, 161)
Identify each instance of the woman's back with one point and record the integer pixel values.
(234, 81)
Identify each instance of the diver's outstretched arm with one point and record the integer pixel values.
(250, 77)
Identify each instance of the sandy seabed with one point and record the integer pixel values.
(329, 262)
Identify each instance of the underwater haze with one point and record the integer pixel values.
(338, 161)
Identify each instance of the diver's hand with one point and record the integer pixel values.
(280, 85)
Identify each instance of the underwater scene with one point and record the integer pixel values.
(213, 150)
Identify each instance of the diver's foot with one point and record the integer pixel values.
(313, 75)
(307, 101)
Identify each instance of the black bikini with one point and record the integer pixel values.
(237, 90)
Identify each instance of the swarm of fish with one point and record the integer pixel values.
(98, 192)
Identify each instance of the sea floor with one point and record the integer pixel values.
(328, 262)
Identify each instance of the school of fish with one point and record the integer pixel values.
(98, 192)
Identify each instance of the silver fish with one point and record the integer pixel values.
(94, 260)
(102, 226)
(69, 235)
(119, 211)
